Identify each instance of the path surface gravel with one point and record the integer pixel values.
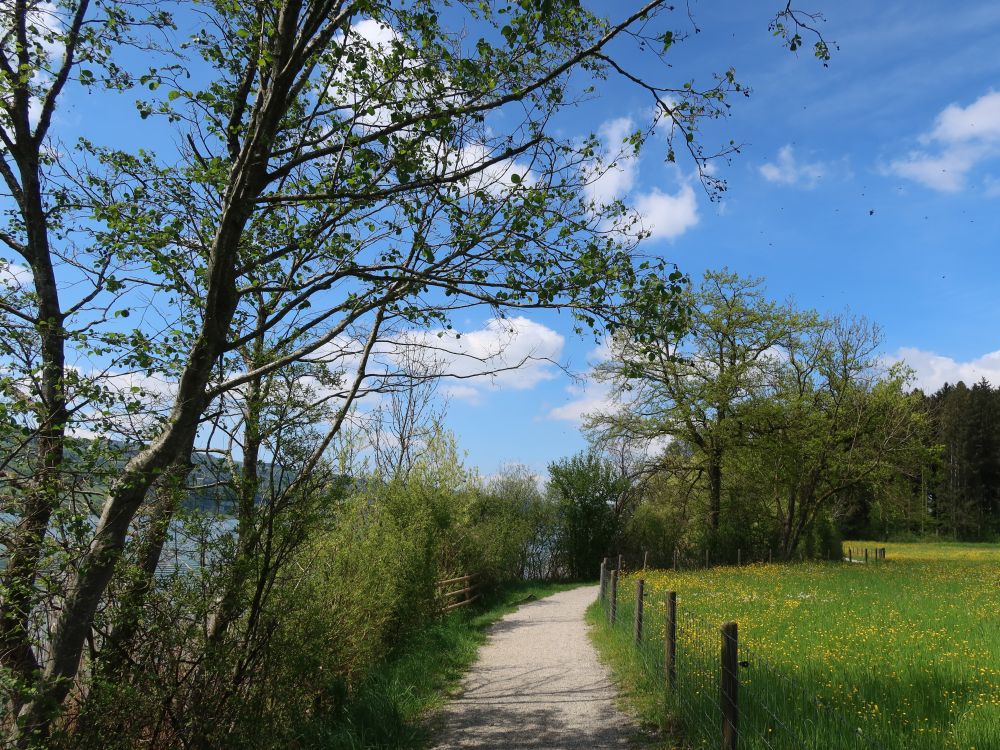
(538, 684)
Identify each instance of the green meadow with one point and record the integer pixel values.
(902, 653)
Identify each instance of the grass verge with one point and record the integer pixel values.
(640, 688)
(390, 709)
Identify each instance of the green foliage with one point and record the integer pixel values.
(778, 417)
(328, 190)
(658, 524)
(351, 650)
(587, 489)
(823, 540)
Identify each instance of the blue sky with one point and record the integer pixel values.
(871, 185)
(905, 123)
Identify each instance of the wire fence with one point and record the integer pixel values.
(719, 690)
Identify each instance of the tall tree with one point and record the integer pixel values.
(837, 421)
(587, 489)
(689, 385)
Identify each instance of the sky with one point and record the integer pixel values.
(871, 185)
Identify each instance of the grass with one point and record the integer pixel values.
(903, 653)
(640, 684)
(391, 708)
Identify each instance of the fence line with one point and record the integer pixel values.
(720, 690)
(446, 591)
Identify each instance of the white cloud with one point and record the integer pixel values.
(787, 170)
(377, 34)
(590, 397)
(469, 394)
(668, 216)
(980, 121)
(613, 176)
(934, 370)
(514, 353)
(962, 138)
(946, 170)
(497, 178)
(14, 275)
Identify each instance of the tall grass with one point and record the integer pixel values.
(899, 654)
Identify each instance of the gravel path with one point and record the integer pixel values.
(538, 684)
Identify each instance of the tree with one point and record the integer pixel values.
(961, 485)
(587, 489)
(776, 414)
(690, 385)
(341, 173)
(837, 420)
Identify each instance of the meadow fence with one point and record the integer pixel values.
(716, 689)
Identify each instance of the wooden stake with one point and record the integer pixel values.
(730, 683)
(613, 609)
(670, 643)
(637, 625)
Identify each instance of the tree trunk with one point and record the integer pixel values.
(714, 490)
(248, 177)
(43, 495)
(787, 532)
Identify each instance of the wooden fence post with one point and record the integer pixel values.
(613, 609)
(604, 582)
(675, 558)
(619, 562)
(770, 556)
(850, 555)
(640, 586)
(866, 555)
(670, 643)
(739, 557)
(730, 684)
(645, 559)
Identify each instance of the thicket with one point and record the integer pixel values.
(311, 630)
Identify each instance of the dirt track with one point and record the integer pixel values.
(538, 684)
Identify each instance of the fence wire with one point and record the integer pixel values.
(776, 711)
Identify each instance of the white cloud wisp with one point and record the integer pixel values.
(788, 170)
(962, 139)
